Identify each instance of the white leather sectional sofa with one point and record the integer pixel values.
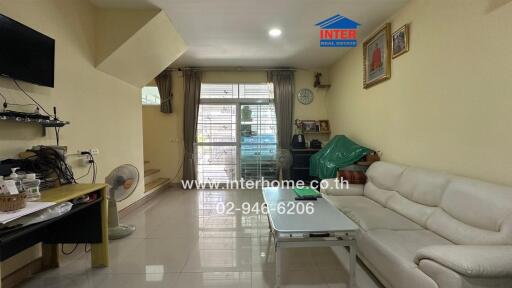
(425, 229)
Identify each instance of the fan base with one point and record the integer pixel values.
(120, 231)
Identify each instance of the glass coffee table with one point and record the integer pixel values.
(297, 223)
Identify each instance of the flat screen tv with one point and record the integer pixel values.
(26, 54)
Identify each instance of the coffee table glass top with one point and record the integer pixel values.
(324, 218)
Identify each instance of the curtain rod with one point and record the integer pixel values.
(229, 69)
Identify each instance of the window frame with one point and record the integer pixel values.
(142, 96)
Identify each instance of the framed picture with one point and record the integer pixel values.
(377, 57)
(309, 126)
(401, 41)
(324, 126)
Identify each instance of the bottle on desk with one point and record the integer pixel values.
(31, 187)
(16, 178)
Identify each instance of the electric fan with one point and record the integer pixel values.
(284, 161)
(122, 182)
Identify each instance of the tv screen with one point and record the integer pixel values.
(26, 54)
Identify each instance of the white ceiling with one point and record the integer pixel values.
(234, 32)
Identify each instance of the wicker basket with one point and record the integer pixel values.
(12, 202)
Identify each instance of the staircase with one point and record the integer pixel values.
(152, 179)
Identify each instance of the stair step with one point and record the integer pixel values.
(150, 172)
(155, 184)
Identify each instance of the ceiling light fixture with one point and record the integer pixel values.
(274, 32)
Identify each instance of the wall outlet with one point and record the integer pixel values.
(84, 162)
(93, 151)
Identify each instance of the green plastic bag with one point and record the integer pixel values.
(340, 152)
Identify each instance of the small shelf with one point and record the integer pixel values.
(322, 132)
(306, 150)
(45, 123)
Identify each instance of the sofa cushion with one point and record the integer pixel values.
(411, 210)
(392, 254)
(377, 194)
(476, 203)
(460, 233)
(380, 218)
(385, 175)
(445, 277)
(422, 186)
(474, 212)
(348, 203)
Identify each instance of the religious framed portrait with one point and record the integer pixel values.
(377, 57)
(401, 41)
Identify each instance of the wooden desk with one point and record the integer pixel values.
(85, 223)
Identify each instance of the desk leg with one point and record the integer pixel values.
(352, 268)
(99, 252)
(50, 256)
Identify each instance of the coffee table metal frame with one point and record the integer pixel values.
(342, 235)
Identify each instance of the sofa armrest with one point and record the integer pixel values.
(469, 260)
(334, 187)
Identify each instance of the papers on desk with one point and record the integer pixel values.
(6, 217)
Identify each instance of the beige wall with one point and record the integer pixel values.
(145, 54)
(104, 112)
(447, 105)
(163, 140)
(163, 134)
(116, 26)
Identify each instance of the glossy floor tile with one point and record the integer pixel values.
(182, 240)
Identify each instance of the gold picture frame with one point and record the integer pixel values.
(400, 40)
(377, 68)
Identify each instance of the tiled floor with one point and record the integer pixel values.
(181, 241)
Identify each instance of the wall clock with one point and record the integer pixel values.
(305, 96)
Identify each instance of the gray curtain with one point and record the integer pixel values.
(190, 113)
(284, 90)
(164, 84)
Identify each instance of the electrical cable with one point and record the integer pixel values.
(2, 95)
(57, 135)
(30, 97)
(86, 174)
(70, 252)
(94, 166)
(7, 104)
(49, 160)
(95, 171)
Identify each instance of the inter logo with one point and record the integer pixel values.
(338, 31)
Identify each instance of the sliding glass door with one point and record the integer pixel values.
(236, 133)
(217, 142)
(258, 142)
